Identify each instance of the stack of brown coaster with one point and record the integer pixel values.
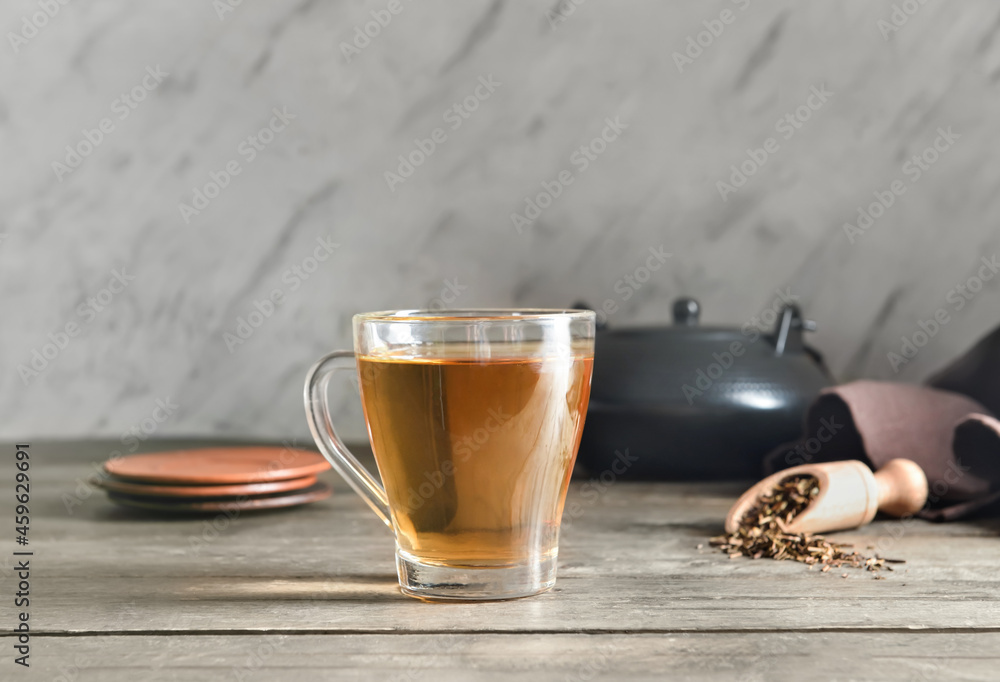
(216, 479)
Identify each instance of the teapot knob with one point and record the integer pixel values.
(686, 311)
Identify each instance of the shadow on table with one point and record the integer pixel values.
(109, 512)
(987, 518)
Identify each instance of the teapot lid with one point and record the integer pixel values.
(787, 335)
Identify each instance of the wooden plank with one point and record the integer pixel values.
(458, 658)
(629, 562)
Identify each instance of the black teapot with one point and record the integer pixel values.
(687, 402)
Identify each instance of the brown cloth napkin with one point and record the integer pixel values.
(949, 427)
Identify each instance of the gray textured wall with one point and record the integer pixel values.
(555, 81)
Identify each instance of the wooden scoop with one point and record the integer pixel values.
(849, 494)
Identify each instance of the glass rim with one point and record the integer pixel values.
(465, 315)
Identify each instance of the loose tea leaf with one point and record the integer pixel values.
(763, 532)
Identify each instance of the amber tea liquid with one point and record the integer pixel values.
(475, 455)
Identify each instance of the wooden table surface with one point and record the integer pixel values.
(311, 593)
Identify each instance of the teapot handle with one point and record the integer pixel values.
(788, 332)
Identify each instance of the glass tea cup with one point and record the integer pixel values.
(474, 417)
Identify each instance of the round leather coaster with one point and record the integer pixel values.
(200, 491)
(314, 493)
(217, 466)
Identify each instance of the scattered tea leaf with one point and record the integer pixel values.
(763, 532)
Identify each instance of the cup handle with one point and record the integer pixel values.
(330, 445)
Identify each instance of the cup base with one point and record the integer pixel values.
(434, 582)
